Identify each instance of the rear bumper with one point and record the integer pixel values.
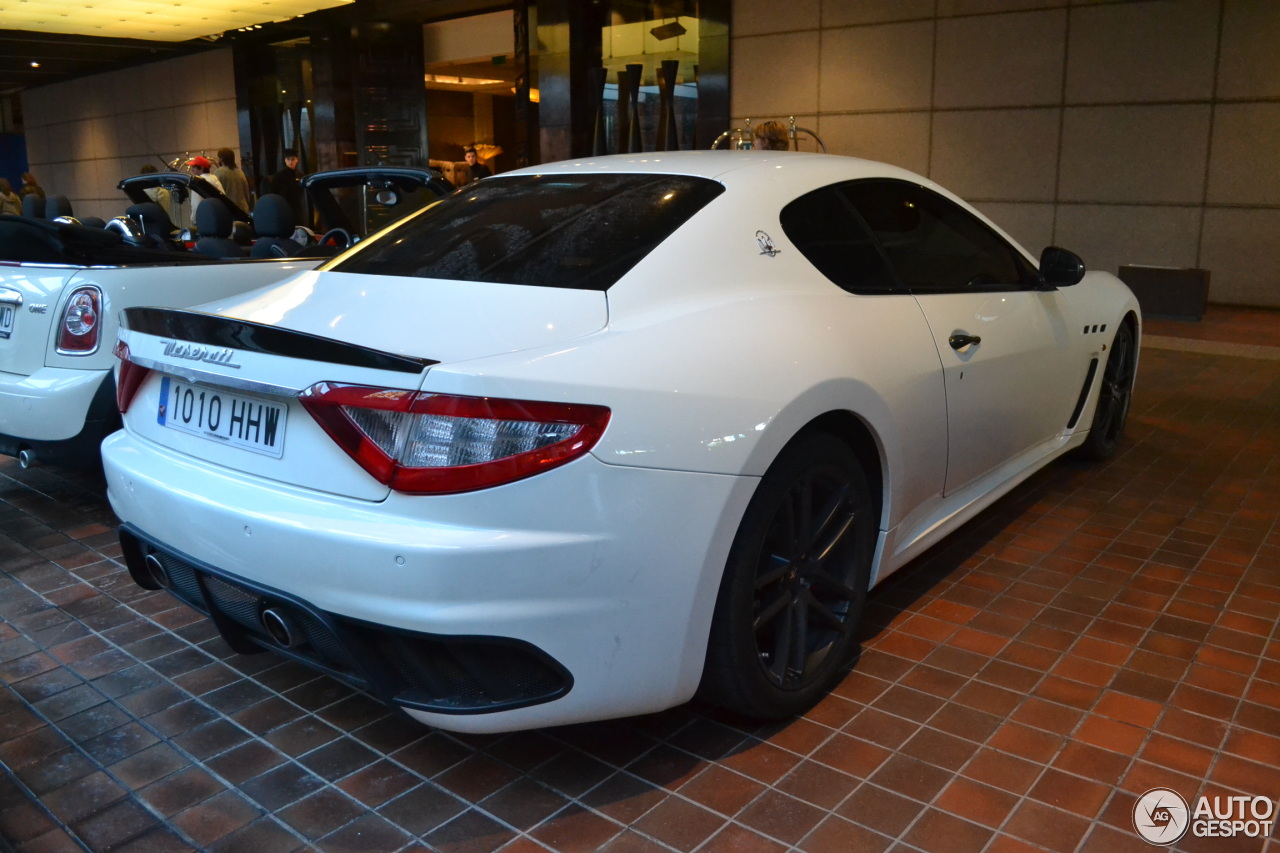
(606, 573)
(444, 674)
(61, 414)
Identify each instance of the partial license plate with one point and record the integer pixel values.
(7, 313)
(249, 423)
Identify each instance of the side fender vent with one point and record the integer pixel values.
(1084, 394)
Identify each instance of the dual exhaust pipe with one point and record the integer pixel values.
(277, 622)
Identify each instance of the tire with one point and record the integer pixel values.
(1114, 397)
(786, 619)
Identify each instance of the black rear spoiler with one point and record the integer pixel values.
(215, 330)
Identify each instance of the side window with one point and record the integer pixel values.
(935, 245)
(823, 226)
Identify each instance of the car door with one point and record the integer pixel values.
(1010, 381)
(890, 341)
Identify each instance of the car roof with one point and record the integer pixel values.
(730, 167)
(783, 175)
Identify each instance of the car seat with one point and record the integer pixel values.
(215, 224)
(57, 205)
(273, 220)
(155, 223)
(33, 206)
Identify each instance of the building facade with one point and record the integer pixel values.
(1135, 132)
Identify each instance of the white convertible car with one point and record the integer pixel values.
(63, 286)
(588, 439)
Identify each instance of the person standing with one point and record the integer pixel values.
(30, 187)
(10, 202)
(286, 182)
(159, 195)
(477, 169)
(234, 183)
(200, 167)
(772, 136)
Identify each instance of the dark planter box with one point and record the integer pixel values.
(1173, 292)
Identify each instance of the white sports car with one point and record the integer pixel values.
(589, 438)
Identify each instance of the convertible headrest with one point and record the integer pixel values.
(57, 205)
(33, 206)
(273, 217)
(213, 219)
(154, 218)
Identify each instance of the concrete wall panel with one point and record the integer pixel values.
(1149, 154)
(1243, 167)
(1240, 249)
(1010, 155)
(1107, 236)
(898, 138)
(84, 135)
(883, 67)
(1001, 60)
(1147, 51)
(775, 75)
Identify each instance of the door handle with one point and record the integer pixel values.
(960, 340)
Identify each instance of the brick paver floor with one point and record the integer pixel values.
(1101, 631)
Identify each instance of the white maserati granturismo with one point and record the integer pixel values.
(587, 439)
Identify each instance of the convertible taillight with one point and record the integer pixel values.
(423, 443)
(78, 334)
(129, 379)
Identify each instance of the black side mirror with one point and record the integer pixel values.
(1060, 268)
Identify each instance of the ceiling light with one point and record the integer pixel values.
(455, 80)
(157, 20)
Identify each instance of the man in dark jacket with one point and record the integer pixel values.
(286, 183)
(478, 170)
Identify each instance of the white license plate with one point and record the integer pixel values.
(249, 423)
(6, 320)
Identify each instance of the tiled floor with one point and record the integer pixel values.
(1101, 631)
(1226, 324)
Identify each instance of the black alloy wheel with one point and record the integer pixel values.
(787, 616)
(1114, 397)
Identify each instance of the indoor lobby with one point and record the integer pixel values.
(1104, 635)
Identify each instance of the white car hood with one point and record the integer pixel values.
(429, 318)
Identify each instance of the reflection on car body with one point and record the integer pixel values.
(572, 444)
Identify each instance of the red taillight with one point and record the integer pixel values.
(424, 443)
(128, 379)
(78, 334)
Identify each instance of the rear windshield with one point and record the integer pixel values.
(581, 231)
